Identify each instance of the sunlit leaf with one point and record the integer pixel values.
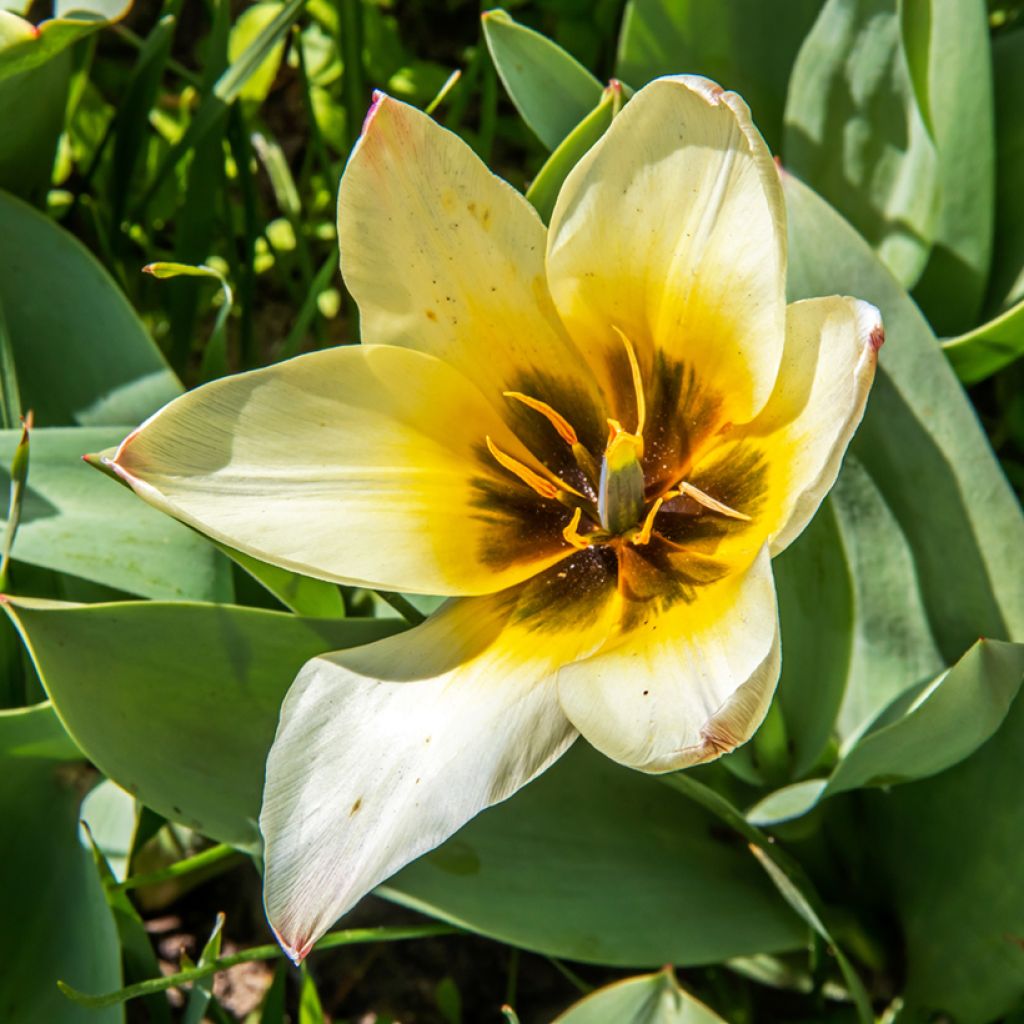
(598, 863)
(853, 131)
(73, 520)
(543, 191)
(951, 49)
(1007, 286)
(939, 494)
(925, 731)
(551, 90)
(724, 41)
(82, 354)
(24, 46)
(178, 703)
(988, 348)
(647, 999)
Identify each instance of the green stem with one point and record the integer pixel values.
(331, 940)
(214, 855)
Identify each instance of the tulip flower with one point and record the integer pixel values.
(592, 437)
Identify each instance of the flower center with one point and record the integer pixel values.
(619, 506)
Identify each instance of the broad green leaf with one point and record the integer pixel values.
(925, 731)
(816, 611)
(75, 521)
(601, 864)
(853, 131)
(950, 847)
(544, 189)
(552, 91)
(745, 45)
(32, 113)
(988, 348)
(952, 38)
(300, 594)
(892, 642)
(24, 46)
(82, 355)
(944, 496)
(178, 703)
(55, 922)
(787, 875)
(36, 732)
(1007, 285)
(647, 999)
(109, 814)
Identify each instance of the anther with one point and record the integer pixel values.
(702, 498)
(544, 487)
(559, 422)
(572, 533)
(643, 536)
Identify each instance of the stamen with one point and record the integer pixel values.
(572, 534)
(559, 422)
(644, 536)
(545, 488)
(638, 384)
(707, 501)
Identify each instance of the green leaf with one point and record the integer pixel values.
(938, 492)
(136, 949)
(552, 91)
(73, 520)
(957, 68)
(19, 463)
(647, 999)
(109, 814)
(300, 594)
(202, 988)
(1007, 285)
(892, 642)
(310, 1009)
(544, 189)
(816, 612)
(56, 923)
(748, 46)
(178, 703)
(853, 131)
(82, 355)
(950, 850)
(988, 348)
(32, 113)
(925, 731)
(24, 46)
(787, 875)
(601, 864)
